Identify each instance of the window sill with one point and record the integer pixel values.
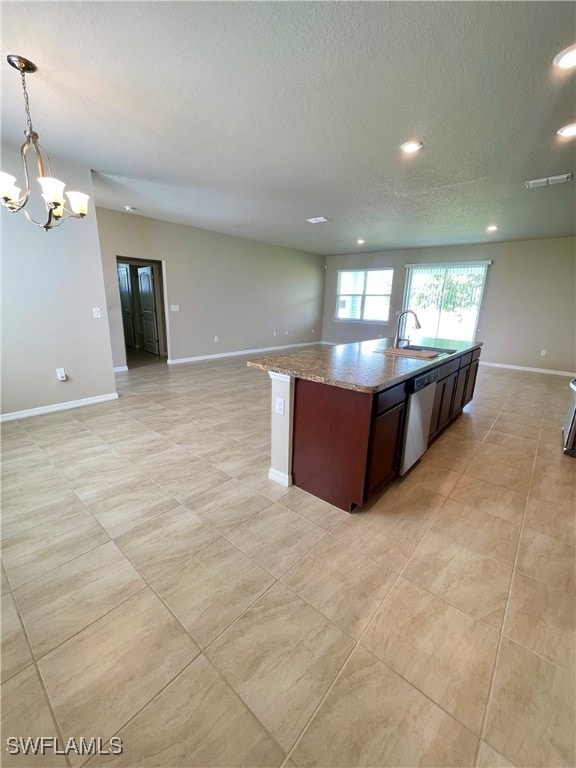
(362, 322)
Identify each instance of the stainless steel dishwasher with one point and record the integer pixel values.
(421, 391)
(569, 431)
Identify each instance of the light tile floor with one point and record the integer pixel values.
(157, 587)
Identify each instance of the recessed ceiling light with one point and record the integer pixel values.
(361, 242)
(491, 228)
(566, 58)
(318, 219)
(130, 208)
(411, 146)
(568, 130)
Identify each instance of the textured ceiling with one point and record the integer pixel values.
(247, 118)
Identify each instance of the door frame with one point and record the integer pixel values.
(158, 272)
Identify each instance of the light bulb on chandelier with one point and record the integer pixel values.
(52, 189)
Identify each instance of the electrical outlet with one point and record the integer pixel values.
(286, 332)
(274, 333)
(313, 331)
(215, 338)
(542, 353)
(174, 307)
(96, 313)
(60, 374)
(280, 406)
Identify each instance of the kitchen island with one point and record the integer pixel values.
(338, 412)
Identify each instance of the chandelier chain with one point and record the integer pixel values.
(26, 103)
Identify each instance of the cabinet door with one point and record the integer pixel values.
(331, 434)
(443, 400)
(471, 382)
(460, 390)
(385, 448)
(446, 409)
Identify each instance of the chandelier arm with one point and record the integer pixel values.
(39, 149)
(23, 150)
(52, 221)
(32, 140)
(24, 199)
(60, 221)
(33, 221)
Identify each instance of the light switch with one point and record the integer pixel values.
(175, 307)
(97, 313)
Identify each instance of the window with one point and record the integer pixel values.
(446, 298)
(364, 295)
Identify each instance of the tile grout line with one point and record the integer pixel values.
(491, 689)
(358, 644)
(34, 663)
(305, 555)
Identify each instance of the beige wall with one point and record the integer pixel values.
(50, 283)
(239, 290)
(529, 301)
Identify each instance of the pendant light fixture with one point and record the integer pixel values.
(52, 189)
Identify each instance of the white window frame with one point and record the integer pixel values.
(448, 265)
(363, 297)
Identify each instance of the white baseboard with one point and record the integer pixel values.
(240, 353)
(280, 477)
(120, 368)
(525, 368)
(57, 407)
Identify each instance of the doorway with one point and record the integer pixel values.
(143, 313)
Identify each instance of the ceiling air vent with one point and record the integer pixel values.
(561, 179)
(318, 220)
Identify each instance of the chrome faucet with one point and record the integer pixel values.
(417, 325)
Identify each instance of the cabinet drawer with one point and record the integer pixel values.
(388, 398)
(466, 359)
(448, 368)
(476, 354)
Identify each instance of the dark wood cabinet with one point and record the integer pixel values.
(454, 390)
(442, 409)
(385, 447)
(345, 443)
(448, 387)
(471, 381)
(460, 389)
(331, 436)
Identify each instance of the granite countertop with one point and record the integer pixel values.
(360, 366)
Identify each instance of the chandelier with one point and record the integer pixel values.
(52, 189)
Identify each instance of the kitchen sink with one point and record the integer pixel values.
(417, 350)
(439, 350)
